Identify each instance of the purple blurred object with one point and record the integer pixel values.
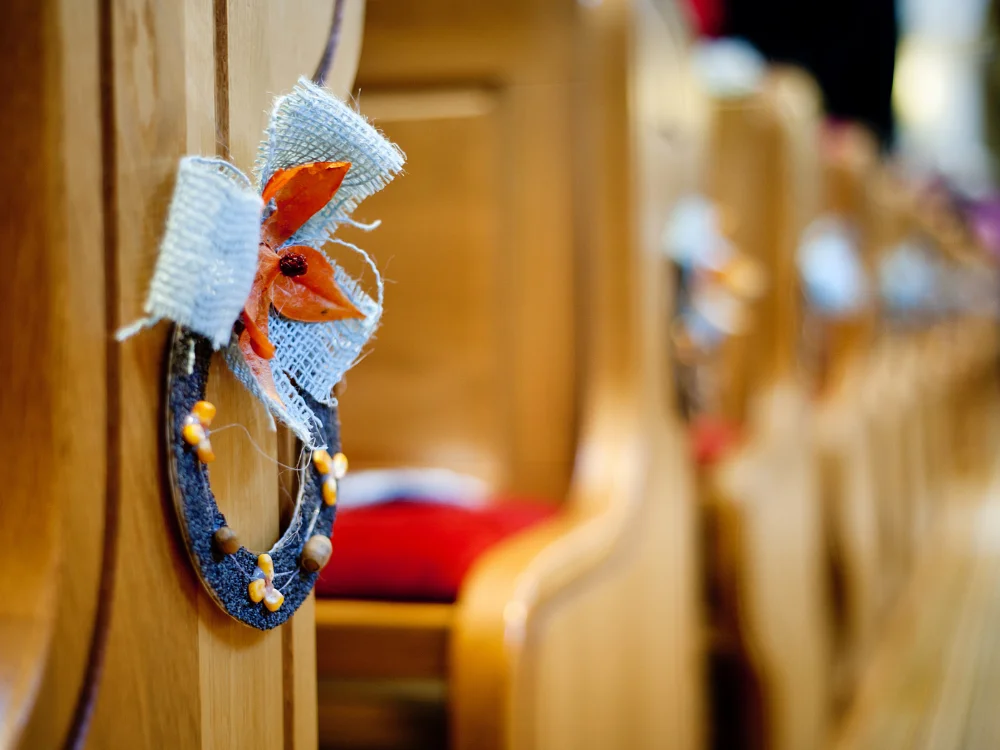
(984, 219)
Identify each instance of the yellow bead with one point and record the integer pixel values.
(273, 600)
(322, 461)
(257, 590)
(316, 553)
(226, 541)
(205, 453)
(266, 564)
(204, 411)
(330, 491)
(339, 465)
(193, 433)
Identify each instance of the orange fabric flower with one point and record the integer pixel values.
(297, 280)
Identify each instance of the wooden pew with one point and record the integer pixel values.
(894, 399)
(844, 423)
(766, 494)
(113, 634)
(522, 253)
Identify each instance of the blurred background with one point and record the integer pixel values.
(698, 300)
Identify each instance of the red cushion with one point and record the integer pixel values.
(712, 437)
(416, 551)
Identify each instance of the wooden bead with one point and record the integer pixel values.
(273, 600)
(316, 553)
(339, 465)
(193, 433)
(266, 564)
(226, 541)
(205, 453)
(204, 411)
(330, 491)
(322, 461)
(257, 589)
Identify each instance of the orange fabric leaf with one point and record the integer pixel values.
(315, 296)
(299, 193)
(259, 367)
(258, 304)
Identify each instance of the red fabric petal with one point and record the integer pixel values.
(258, 304)
(259, 367)
(298, 193)
(315, 296)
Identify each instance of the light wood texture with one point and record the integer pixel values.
(52, 366)
(581, 633)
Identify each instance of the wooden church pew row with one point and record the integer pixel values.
(844, 429)
(766, 174)
(581, 631)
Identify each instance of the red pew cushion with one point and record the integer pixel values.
(417, 551)
(711, 438)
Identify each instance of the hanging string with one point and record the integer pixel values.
(295, 525)
(332, 42)
(256, 447)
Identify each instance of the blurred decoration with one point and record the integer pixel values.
(908, 279)
(728, 67)
(830, 268)
(717, 281)
(984, 218)
(716, 285)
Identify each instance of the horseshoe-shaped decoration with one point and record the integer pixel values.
(242, 269)
(226, 569)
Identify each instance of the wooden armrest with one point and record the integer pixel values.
(524, 579)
